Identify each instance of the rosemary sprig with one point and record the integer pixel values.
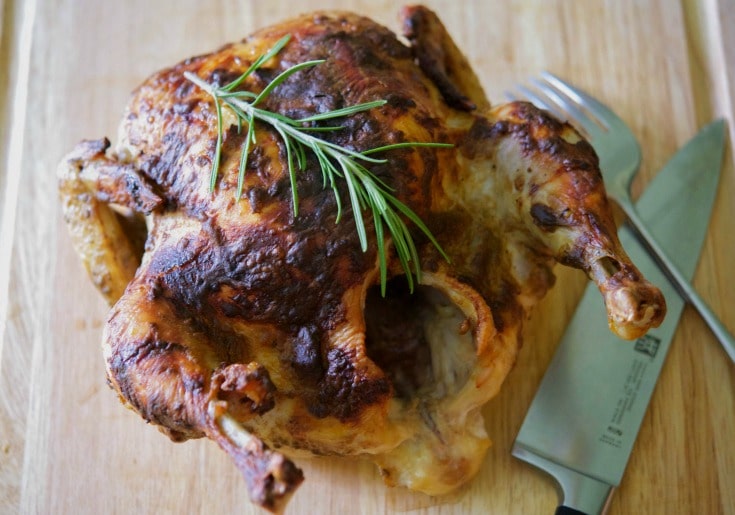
(367, 192)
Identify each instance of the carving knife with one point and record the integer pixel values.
(583, 421)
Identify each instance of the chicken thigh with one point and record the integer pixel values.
(266, 330)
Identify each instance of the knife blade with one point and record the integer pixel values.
(584, 419)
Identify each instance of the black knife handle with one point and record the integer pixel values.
(566, 510)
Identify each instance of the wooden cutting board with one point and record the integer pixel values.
(66, 69)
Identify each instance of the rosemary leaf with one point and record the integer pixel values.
(409, 144)
(218, 149)
(411, 215)
(237, 94)
(249, 139)
(396, 229)
(301, 156)
(288, 143)
(324, 128)
(258, 63)
(380, 239)
(282, 77)
(356, 206)
(344, 112)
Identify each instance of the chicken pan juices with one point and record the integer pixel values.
(357, 292)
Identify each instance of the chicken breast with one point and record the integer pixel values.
(266, 330)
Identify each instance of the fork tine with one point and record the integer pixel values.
(536, 99)
(570, 106)
(552, 100)
(594, 106)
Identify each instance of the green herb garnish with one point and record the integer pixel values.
(367, 192)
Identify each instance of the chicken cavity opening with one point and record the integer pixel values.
(422, 341)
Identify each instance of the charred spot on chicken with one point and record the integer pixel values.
(265, 330)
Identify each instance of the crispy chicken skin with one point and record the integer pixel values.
(267, 332)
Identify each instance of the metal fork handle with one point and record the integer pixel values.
(681, 283)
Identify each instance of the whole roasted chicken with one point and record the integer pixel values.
(265, 328)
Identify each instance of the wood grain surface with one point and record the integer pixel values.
(67, 66)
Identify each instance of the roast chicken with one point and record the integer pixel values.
(266, 330)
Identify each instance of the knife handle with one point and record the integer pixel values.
(566, 510)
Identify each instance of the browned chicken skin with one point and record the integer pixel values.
(266, 331)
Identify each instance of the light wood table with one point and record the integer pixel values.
(68, 447)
